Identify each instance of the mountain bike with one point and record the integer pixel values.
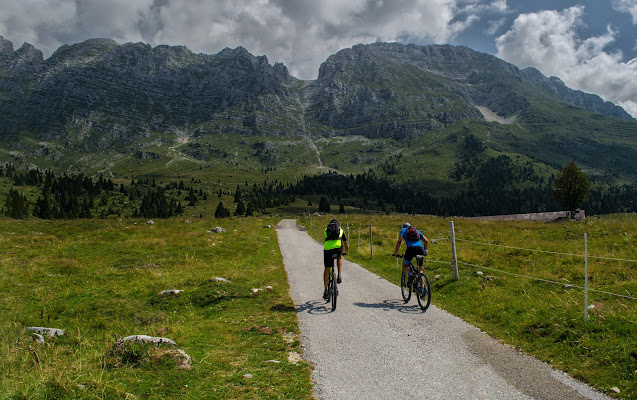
(415, 281)
(332, 285)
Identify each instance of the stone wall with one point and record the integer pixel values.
(545, 216)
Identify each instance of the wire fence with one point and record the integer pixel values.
(364, 236)
(584, 256)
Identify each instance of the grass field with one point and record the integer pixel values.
(99, 281)
(540, 316)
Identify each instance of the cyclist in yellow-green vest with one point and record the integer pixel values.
(335, 242)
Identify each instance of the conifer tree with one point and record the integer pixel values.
(17, 205)
(324, 205)
(241, 209)
(221, 211)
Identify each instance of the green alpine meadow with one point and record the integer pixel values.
(100, 280)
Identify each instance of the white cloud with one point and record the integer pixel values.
(494, 26)
(548, 41)
(628, 6)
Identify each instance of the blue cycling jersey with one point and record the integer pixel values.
(411, 243)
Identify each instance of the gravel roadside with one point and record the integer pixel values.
(374, 346)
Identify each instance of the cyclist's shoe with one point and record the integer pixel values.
(338, 279)
(326, 294)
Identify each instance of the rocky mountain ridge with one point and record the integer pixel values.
(382, 89)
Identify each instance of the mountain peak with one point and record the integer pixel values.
(5, 46)
(86, 47)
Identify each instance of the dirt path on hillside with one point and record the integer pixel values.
(376, 347)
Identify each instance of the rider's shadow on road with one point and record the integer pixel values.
(315, 307)
(393, 305)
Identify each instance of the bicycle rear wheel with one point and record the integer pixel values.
(405, 287)
(423, 291)
(334, 292)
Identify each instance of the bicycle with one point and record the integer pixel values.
(332, 284)
(415, 281)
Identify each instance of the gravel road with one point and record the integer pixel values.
(374, 346)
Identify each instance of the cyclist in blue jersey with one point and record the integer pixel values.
(416, 242)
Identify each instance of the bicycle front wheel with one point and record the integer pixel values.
(405, 287)
(334, 293)
(423, 291)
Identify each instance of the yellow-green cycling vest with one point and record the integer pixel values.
(333, 244)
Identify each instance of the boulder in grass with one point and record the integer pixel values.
(37, 338)
(183, 360)
(218, 229)
(46, 331)
(175, 292)
(144, 349)
(145, 339)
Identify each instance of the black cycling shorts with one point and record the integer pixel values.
(413, 251)
(328, 261)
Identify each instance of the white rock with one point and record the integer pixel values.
(590, 307)
(615, 389)
(294, 357)
(256, 291)
(37, 338)
(219, 279)
(145, 339)
(218, 229)
(274, 361)
(268, 226)
(184, 361)
(269, 288)
(479, 273)
(169, 291)
(151, 222)
(46, 331)
(247, 376)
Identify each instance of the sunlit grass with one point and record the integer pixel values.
(531, 299)
(99, 280)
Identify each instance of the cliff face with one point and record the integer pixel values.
(99, 92)
(103, 87)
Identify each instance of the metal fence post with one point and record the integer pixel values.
(585, 277)
(397, 237)
(371, 242)
(454, 260)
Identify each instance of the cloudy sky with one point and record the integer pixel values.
(590, 44)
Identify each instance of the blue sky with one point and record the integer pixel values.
(590, 44)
